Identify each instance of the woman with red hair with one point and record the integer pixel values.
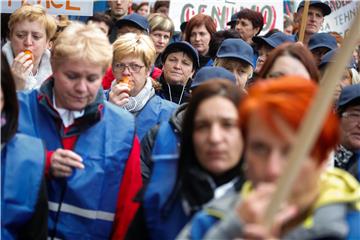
(270, 117)
(199, 33)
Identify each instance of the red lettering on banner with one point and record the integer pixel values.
(55, 5)
(68, 7)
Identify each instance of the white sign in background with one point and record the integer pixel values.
(56, 7)
(221, 11)
(343, 12)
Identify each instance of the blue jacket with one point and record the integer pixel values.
(164, 216)
(154, 112)
(83, 206)
(22, 168)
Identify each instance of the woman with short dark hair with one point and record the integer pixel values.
(249, 24)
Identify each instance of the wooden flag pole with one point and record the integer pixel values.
(313, 121)
(303, 21)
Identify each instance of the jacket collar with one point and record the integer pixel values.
(177, 91)
(92, 112)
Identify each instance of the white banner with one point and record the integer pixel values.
(221, 11)
(57, 7)
(342, 14)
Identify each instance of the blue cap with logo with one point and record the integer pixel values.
(326, 10)
(348, 94)
(322, 40)
(274, 39)
(238, 49)
(182, 46)
(207, 73)
(134, 19)
(329, 57)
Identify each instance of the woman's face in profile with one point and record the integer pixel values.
(288, 65)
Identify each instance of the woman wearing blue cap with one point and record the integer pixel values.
(180, 61)
(236, 56)
(208, 166)
(350, 75)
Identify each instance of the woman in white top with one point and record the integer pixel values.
(27, 51)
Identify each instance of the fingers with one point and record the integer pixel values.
(22, 66)
(62, 162)
(70, 154)
(252, 208)
(120, 88)
(22, 58)
(119, 94)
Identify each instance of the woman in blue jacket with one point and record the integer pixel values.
(209, 164)
(23, 192)
(133, 88)
(92, 164)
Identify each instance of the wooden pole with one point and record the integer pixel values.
(313, 121)
(303, 21)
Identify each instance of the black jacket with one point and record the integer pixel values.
(178, 94)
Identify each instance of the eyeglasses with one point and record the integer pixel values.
(133, 67)
(352, 116)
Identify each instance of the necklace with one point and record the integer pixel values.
(181, 95)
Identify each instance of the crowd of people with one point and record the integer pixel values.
(121, 128)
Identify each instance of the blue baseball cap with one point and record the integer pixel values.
(322, 40)
(347, 95)
(329, 57)
(182, 46)
(207, 73)
(274, 39)
(326, 10)
(134, 19)
(233, 19)
(238, 49)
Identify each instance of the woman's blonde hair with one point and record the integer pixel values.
(33, 13)
(160, 22)
(136, 45)
(84, 43)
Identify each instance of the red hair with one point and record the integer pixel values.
(199, 20)
(289, 98)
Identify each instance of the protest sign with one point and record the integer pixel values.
(221, 11)
(63, 7)
(342, 14)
